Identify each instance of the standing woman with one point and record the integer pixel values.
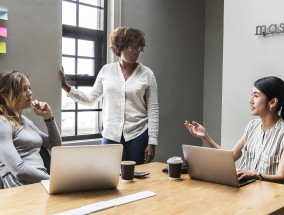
(261, 147)
(20, 139)
(129, 90)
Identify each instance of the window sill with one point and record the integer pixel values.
(83, 142)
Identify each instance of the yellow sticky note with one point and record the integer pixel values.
(3, 49)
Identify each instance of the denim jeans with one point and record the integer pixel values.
(133, 149)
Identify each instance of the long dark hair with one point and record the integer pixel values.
(272, 87)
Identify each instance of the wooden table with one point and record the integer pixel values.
(184, 196)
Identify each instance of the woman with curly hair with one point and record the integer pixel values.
(20, 139)
(129, 90)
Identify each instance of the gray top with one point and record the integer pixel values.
(19, 149)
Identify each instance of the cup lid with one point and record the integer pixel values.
(174, 160)
(128, 162)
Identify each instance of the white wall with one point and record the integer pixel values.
(247, 57)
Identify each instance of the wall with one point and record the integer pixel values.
(175, 52)
(34, 48)
(247, 57)
(213, 63)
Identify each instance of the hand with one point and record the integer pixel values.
(243, 174)
(42, 109)
(196, 129)
(149, 153)
(64, 84)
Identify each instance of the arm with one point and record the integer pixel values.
(80, 96)
(200, 132)
(12, 160)
(53, 138)
(153, 119)
(278, 178)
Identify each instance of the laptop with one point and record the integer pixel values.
(83, 168)
(212, 165)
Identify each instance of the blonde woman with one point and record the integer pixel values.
(20, 139)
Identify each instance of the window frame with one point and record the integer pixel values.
(99, 37)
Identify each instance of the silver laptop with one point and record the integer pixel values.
(212, 165)
(84, 168)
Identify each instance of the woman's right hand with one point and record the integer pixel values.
(196, 129)
(64, 84)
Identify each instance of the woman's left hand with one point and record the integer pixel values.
(149, 153)
(243, 174)
(42, 109)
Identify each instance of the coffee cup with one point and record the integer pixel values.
(174, 168)
(127, 170)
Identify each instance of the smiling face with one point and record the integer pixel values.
(25, 99)
(259, 103)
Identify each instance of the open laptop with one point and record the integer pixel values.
(83, 168)
(212, 165)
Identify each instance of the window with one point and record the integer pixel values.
(84, 40)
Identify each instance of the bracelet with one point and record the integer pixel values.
(50, 119)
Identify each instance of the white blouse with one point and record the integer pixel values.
(129, 106)
(262, 152)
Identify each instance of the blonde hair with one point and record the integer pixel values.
(10, 92)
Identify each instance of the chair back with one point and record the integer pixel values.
(45, 154)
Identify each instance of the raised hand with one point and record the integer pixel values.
(64, 84)
(195, 129)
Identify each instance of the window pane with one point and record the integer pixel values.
(67, 124)
(91, 2)
(86, 48)
(90, 17)
(68, 46)
(85, 66)
(68, 13)
(66, 102)
(68, 64)
(83, 107)
(88, 123)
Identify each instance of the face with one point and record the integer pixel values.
(26, 95)
(258, 102)
(130, 54)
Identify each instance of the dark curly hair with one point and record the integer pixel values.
(122, 37)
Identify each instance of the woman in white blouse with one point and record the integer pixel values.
(260, 149)
(130, 99)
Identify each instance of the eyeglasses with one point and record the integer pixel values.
(135, 49)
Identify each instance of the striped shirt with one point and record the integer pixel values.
(130, 106)
(262, 152)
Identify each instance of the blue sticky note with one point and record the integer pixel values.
(3, 14)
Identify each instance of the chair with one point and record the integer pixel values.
(45, 154)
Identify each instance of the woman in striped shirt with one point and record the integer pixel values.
(261, 146)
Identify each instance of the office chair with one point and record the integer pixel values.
(45, 154)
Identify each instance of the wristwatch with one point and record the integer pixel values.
(259, 176)
(50, 119)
